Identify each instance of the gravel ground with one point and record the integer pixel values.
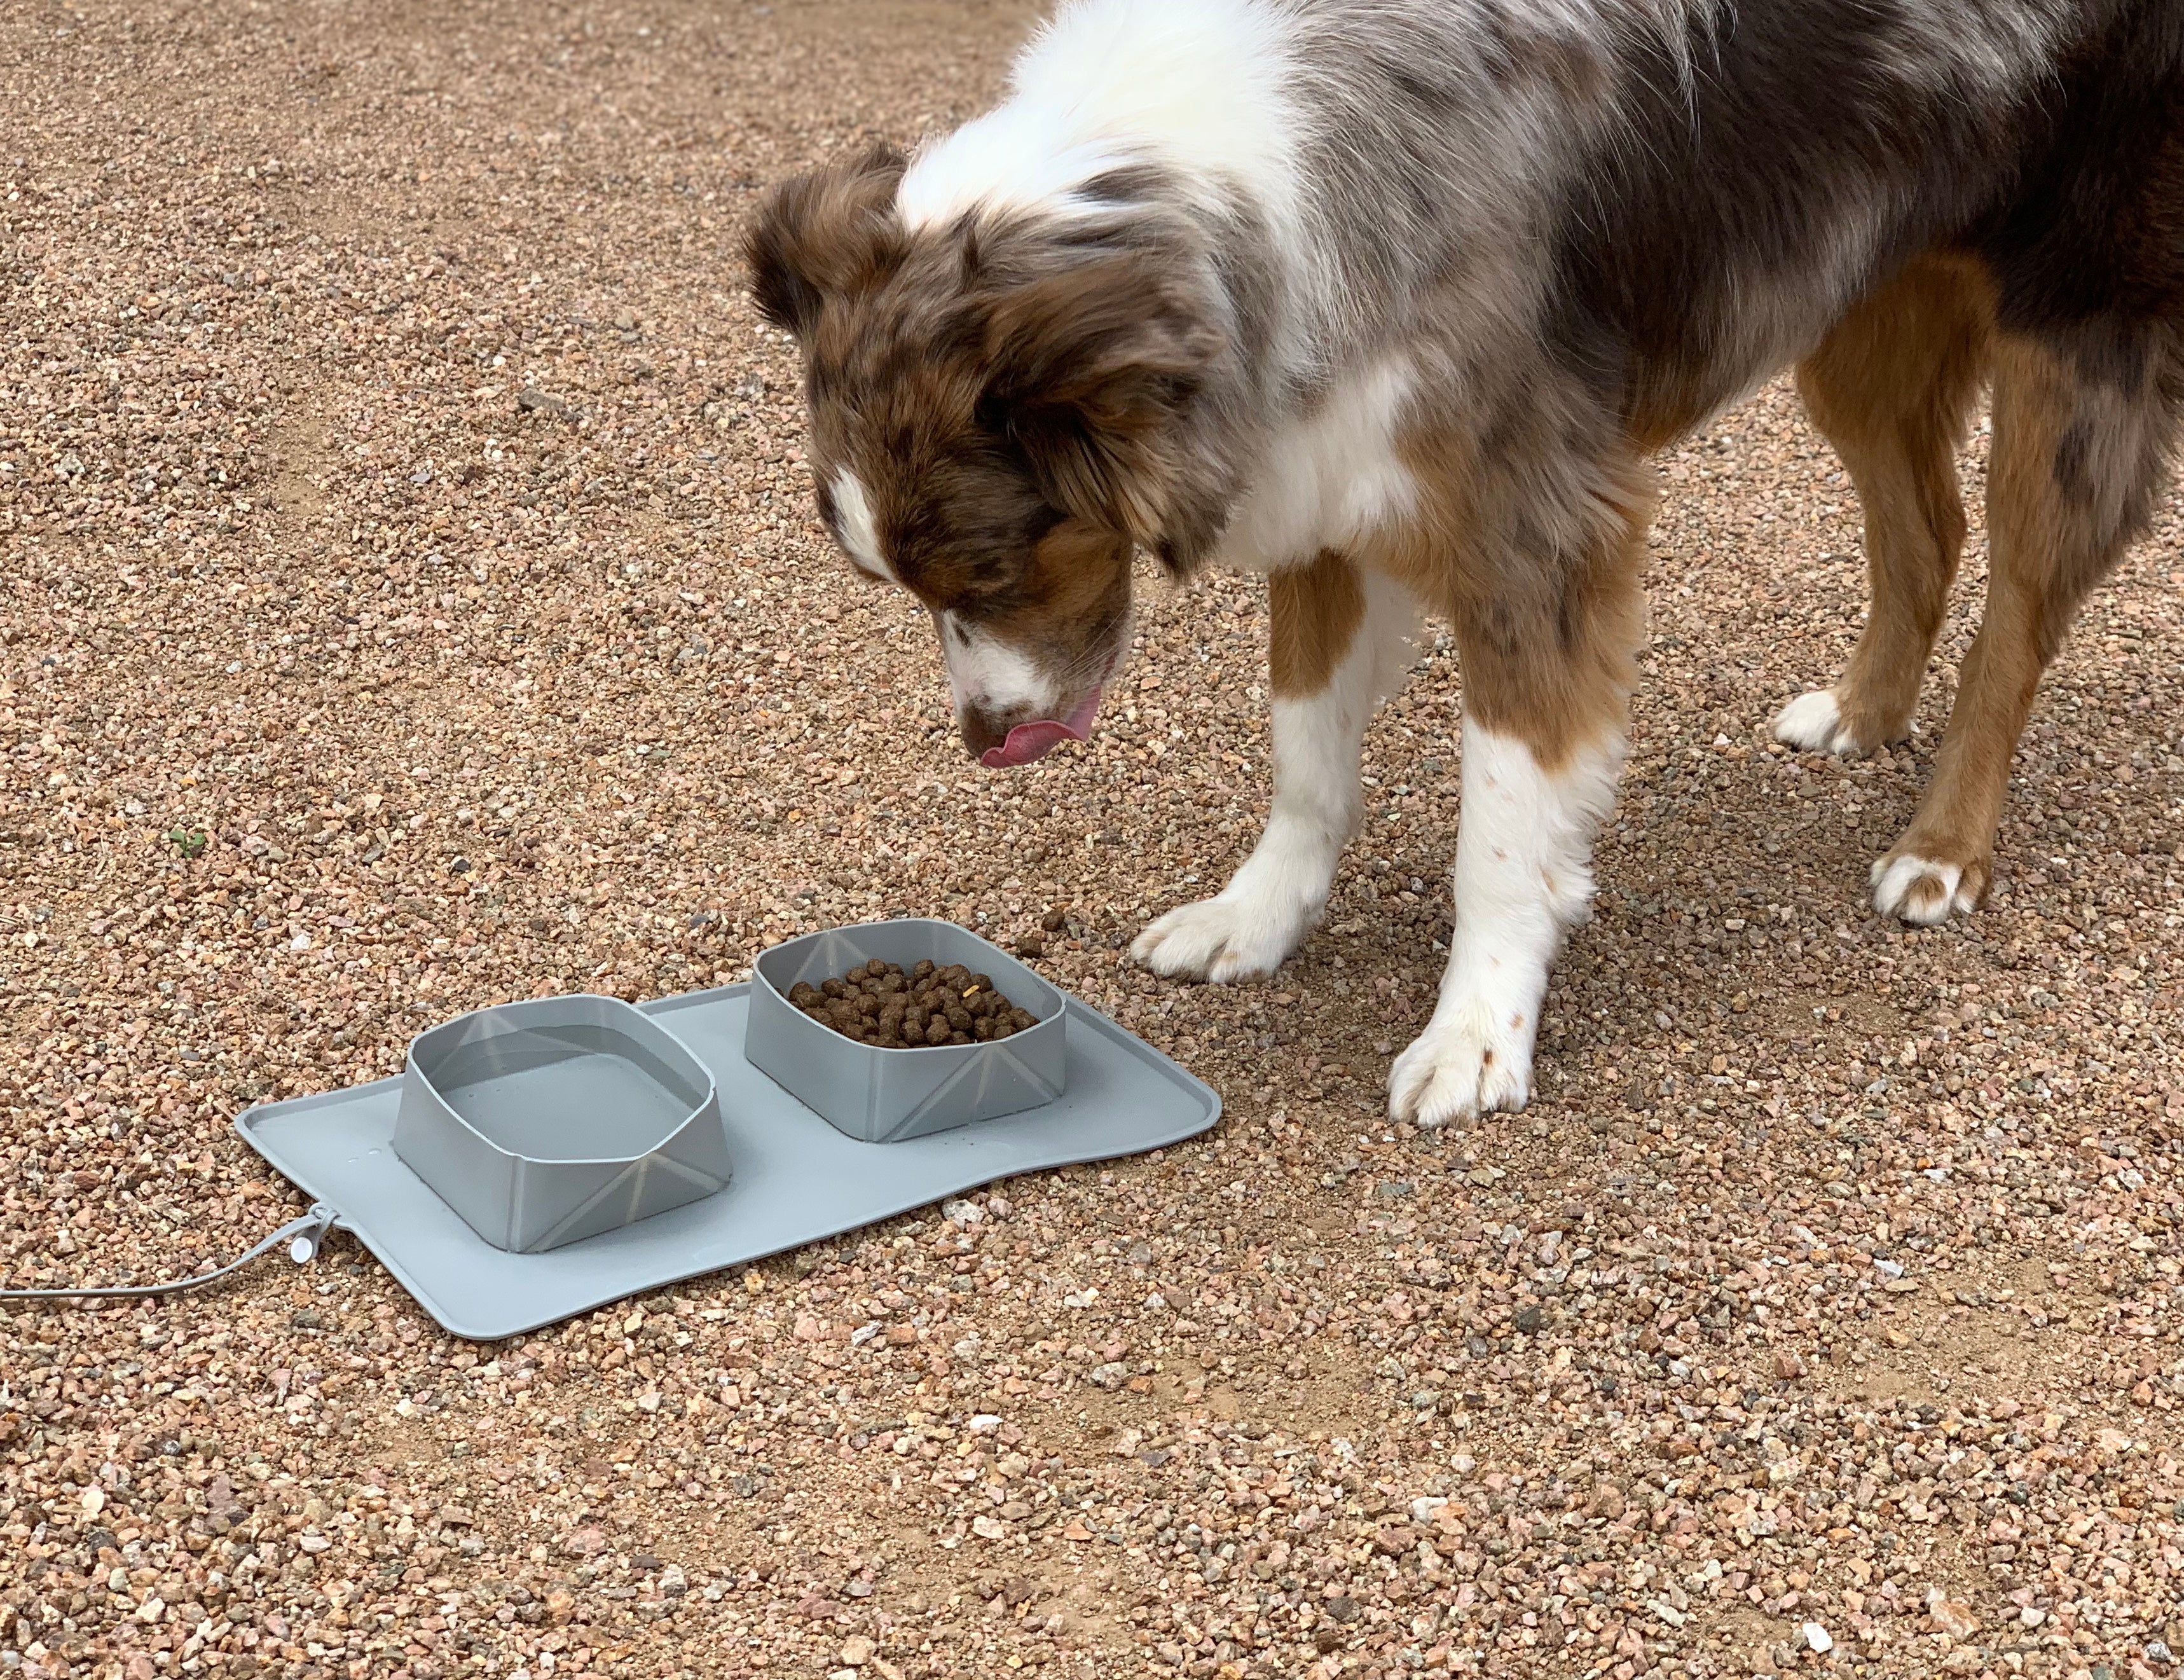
(411, 600)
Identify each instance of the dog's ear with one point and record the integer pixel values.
(820, 234)
(1095, 369)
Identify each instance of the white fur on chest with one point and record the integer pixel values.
(1329, 479)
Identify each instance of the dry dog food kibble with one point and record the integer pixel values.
(878, 1003)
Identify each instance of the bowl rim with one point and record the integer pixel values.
(709, 1097)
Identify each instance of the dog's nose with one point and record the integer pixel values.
(982, 730)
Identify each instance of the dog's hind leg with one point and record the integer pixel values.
(2084, 422)
(1547, 621)
(1892, 386)
(1337, 636)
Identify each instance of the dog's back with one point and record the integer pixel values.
(1684, 195)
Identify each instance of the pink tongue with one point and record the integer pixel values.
(1030, 741)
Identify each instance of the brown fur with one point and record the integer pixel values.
(2080, 448)
(830, 232)
(1314, 612)
(1088, 364)
(1536, 556)
(1893, 387)
(1557, 673)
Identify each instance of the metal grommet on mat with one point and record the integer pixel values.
(304, 1236)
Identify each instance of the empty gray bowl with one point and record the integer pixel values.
(885, 1096)
(547, 1121)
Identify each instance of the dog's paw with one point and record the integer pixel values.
(1819, 722)
(1471, 1059)
(1813, 722)
(1218, 939)
(1924, 890)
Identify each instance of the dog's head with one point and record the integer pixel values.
(1002, 411)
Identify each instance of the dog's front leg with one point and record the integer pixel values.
(1547, 647)
(1524, 874)
(1338, 633)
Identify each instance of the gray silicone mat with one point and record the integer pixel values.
(797, 1179)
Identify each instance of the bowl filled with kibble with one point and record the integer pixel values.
(893, 1030)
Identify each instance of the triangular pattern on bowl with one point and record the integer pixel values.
(999, 1082)
(653, 1184)
(832, 954)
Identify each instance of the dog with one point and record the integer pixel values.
(1391, 300)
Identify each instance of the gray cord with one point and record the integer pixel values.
(302, 1236)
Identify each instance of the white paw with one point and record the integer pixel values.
(1471, 1059)
(1813, 723)
(1919, 889)
(1219, 939)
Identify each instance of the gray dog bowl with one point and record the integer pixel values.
(886, 1096)
(544, 1122)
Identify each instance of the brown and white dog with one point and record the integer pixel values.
(1390, 299)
